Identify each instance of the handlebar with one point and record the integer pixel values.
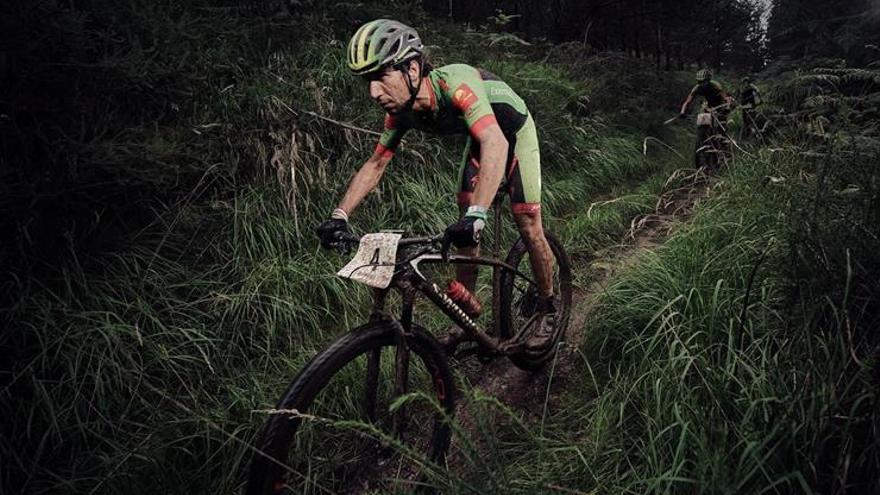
(727, 105)
(345, 241)
(435, 243)
(349, 238)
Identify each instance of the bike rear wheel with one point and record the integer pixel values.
(332, 429)
(519, 301)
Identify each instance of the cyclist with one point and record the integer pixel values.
(454, 99)
(715, 98)
(749, 99)
(712, 93)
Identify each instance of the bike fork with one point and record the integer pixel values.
(374, 359)
(401, 360)
(402, 330)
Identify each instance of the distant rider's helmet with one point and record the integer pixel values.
(703, 75)
(382, 43)
(747, 80)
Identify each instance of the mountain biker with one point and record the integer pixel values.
(749, 99)
(713, 94)
(719, 101)
(454, 99)
(748, 93)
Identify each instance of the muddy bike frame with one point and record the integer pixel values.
(711, 136)
(409, 281)
(715, 123)
(751, 117)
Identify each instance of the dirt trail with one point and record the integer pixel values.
(528, 393)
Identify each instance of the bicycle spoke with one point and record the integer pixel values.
(346, 434)
(525, 328)
(522, 306)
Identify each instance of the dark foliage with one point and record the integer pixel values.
(672, 34)
(833, 216)
(847, 29)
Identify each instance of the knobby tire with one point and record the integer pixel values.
(268, 467)
(529, 360)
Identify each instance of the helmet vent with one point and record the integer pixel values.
(395, 48)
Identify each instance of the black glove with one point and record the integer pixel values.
(328, 231)
(682, 115)
(465, 232)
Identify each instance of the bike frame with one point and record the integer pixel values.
(410, 282)
(711, 134)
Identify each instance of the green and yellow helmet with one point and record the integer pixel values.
(380, 43)
(704, 75)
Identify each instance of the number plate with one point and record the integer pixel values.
(704, 119)
(373, 264)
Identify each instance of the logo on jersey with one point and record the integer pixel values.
(463, 98)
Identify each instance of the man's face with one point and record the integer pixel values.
(389, 90)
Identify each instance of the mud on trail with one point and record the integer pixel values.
(532, 395)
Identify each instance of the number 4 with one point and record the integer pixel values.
(375, 259)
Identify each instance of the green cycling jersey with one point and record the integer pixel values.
(464, 100)
(711, 91)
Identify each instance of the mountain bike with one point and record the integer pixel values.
(379, 401)
(712, 145)
(755, 124)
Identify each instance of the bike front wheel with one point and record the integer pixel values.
(705, 151)
(519, 301)
(342, 425)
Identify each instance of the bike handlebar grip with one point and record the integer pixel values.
(343, 241)
(347, 237)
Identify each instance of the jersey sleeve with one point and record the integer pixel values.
(467, 94)
(391, 135)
